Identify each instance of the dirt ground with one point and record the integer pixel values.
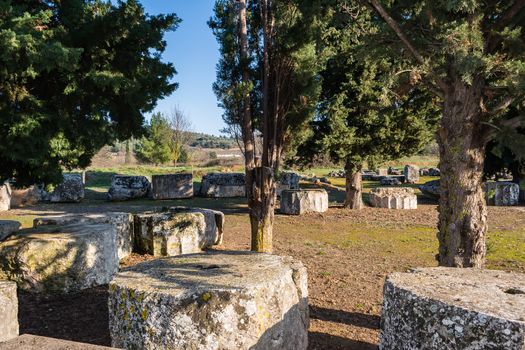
(348, 255)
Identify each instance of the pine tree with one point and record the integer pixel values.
(157, 146)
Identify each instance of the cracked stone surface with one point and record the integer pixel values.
(125, 187)
(452, 308)
(172, 186)
(215, 300)
(71, 190)
(298, 202)
(8, 311)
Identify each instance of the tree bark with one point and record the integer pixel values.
(354, 186)
(462, 208)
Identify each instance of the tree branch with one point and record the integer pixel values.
(505, 20)
(514, 123)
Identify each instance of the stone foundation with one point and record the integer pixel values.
(221, 300)
(71, 190)
(298, 202)
(453, 308)
(223, 185)
(128, 187)
(173, 186)
(7, 228)
(393, 198)
(502, 193)
(8, 311)
(34, 342)
(60, 258)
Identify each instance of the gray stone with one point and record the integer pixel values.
(8, 311)
(71, 190)
(129, 187)
(122, 222)
(219, 300)
(5, 197)
(502, 193)
(434, 172)
(172, 186)
(431, 189)
(424, 172)
(382, 171)
(393, 198)
(411, 174)
(368, 175)
(60, 258)
(223, 185)
(298, 202)
(214, 231)
(35, 342)
(287, 181)
(7, 228)
(453, 308)
(170, 233)
(389, 181)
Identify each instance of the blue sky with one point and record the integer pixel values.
(194, 52)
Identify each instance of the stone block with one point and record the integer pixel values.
(393, 198)
(382, 171)
(434, 172)
(35, 342)
(502, 193)
(122, 222)
(5, 197)
(287, 181)
(7, 228)
(219, 300)
(71, 190)
(453, 308)
(411, 174)
(172, 186)
(223, 185)
(390, 181)
(129, 187)
(170, 233)
(8, 311)
(431, 189)
(298, 202)
(214, 220)
(60, 258)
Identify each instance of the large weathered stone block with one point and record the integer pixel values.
(298, 202)
(8, 311)
(223, 185)
(170, 233)
(502, 193)
(220, 300)
(214, 219)
(122, 222)
(431, 189)
(60, 258)
(71, 190)
(5, 197)
(34, 342)
(7, 228)
(452, 308)
(393, 198)
(173, 186)
(411, 174)
(391, 180)
(287, 181)
(128, 187)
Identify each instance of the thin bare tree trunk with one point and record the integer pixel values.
(462, 208)
(354, 186)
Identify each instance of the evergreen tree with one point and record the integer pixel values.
(75, 75)
(157, 146)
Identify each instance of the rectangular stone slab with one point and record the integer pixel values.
(172, 186)
(8, 311)
(34, 342)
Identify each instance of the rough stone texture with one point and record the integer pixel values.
(214, 231)
(71, 190)
(27, 196)
(389, 181)
(128, 187)
(298, 202)
(60, 258)
(287, 181)
(123, 223)
(223, 185)
(170, 233)
(452, 308)
(431, 189)
(434, 172)
(411, 174)
(502, 193)
(8, 227)
(5, 197)
(220, 300)
(34, 342)
(173, 186)
(382, 172)
(393, 198)
(8, 311)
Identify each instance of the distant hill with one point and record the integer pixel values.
(210, 141)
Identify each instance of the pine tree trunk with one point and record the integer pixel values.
(262, 210)
(462, 208)
(354, 186)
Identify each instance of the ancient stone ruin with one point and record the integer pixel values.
(411, 174)
(129, 187)
(5, 197)
(391, 180)
(393, 198)
(223, 185)
(287, 181)
(8, 311)
(7, 228)
(71, 190)
(431, 189)
(502, 193)
(453, 308)
(35, 342)
(215, 221)
(298, 202)
(172, 186)
(238, 300)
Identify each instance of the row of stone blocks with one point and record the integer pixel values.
(75, 252)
